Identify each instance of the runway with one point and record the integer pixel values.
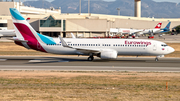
(74, 63)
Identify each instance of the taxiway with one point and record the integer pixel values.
(74, 63)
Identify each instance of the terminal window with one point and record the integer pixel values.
(50, 22)
(3, 24)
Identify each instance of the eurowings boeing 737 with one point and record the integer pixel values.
(104, 48)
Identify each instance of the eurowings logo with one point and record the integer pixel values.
(137, 43)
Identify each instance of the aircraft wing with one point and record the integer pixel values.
(83, 50)
(87, 50)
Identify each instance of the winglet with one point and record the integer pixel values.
(64, 44)
(73, 36)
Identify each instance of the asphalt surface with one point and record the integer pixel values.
(74, 63)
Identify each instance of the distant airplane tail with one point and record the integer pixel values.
(167, 28)
(168, 25)
(158, 26)
(26, 35)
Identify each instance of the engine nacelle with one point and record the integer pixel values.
(108, 54)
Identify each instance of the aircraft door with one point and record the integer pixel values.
(154, 47)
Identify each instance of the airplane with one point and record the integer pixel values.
(7, 33)
(27, 37)
(157, 29)
(123, 31)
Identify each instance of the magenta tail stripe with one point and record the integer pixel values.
(28, 35)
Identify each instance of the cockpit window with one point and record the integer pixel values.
(164, 45)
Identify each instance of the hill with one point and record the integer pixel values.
(149, 8)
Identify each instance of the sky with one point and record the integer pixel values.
(176, 1)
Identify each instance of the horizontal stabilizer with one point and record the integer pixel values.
(18, 39)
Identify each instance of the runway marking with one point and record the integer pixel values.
(3, 60)
(42, 60)
(34, 60)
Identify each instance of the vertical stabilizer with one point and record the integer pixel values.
(24, 31)
(158, 26)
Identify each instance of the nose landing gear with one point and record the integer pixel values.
(156, 59)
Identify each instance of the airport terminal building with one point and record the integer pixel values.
(52, 22)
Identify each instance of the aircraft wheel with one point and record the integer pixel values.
(156, 59)
(90, 58)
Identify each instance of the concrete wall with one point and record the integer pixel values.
(4, 6)
(86, 25)
(10, 24)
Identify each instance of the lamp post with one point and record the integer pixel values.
(89, 6)
(118, 11)
(79, 7)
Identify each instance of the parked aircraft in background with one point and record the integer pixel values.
(4, 33)
(123, 31)
(157, 29)
(132, 32)
(103, 48)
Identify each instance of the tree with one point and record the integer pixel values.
(178, 29)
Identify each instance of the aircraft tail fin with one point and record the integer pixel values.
(25, 31)
(158, 26)
(22, 28)
(167, 28)
(168, 25)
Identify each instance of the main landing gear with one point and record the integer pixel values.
(156, 59)
(91, 57)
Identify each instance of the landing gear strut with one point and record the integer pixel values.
(156, 59)
(91, 57)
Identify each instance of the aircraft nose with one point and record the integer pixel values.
(171, 50)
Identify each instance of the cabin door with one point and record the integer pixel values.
(154, 47)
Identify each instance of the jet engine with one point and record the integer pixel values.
(108, 54)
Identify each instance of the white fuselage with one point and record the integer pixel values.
(124, 31)
(147, 31)
(7, 33)
(121, 46)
